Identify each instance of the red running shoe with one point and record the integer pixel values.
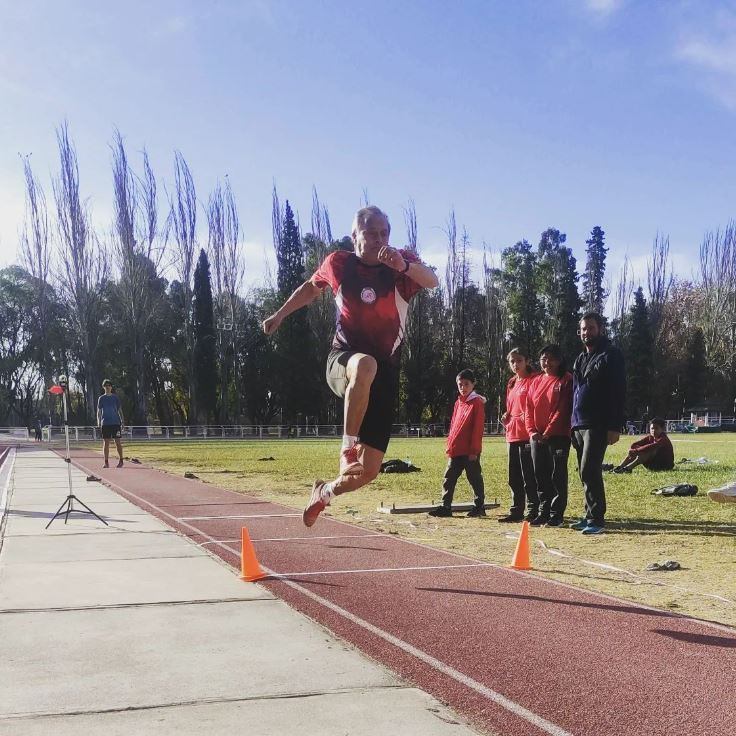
(349, 463)
(315, 506)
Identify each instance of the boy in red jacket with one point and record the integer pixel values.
(464, 445)
(654, 452)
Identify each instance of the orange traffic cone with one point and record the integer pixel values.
(521, 559)
(250, 570)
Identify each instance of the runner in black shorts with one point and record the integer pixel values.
(375, 429)
(110, 419)
(372, 288)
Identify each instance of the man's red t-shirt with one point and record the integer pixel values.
(371, 302)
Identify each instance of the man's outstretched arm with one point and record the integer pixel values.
(303, 295)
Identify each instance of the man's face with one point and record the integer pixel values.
(589, 331)
(655, 430)
(372, 235)
(108, 388)
(465, 386)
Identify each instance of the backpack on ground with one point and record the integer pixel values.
(679, 489)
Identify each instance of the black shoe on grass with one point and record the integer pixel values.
(476, 512)
(510, 519)
(441, 511)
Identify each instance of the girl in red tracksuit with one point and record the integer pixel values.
(521, 470)
(464, 445)
(548, 413)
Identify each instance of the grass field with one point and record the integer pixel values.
(642, 528)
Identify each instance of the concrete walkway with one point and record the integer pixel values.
(133, 629)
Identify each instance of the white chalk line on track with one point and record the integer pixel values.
(294, 539)
(376, 569)
(511, 706)
(248, 516)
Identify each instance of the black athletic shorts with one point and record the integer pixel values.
(375, 431)
(110, 431)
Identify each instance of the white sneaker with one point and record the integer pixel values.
(724, 494)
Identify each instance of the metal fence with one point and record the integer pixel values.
(53, 434)
(242, 431)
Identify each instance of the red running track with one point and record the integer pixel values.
(513, 653)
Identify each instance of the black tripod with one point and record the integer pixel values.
(68, 506)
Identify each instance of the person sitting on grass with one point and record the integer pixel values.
(464, 445)
(654, 451)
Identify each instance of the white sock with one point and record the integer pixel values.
(348, 440)
(327, 493)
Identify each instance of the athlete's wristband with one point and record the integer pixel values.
(406, 268)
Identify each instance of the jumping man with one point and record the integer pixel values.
(372, 288)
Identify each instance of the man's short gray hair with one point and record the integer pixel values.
(363, 214)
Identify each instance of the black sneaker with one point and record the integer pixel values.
(531, 516)
(476, 512)
(440, 511)
(554, 521)
(510, 519)
(539, 521)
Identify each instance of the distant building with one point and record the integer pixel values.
(706, 415)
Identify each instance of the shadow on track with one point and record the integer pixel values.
(700, 639)
(540, 599)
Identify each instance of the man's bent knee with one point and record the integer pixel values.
(362, 369)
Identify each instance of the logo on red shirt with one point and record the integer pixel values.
(368, 295)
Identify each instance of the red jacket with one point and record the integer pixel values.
(516, 391)
(466, 428)
(665, 457)
(549, 405)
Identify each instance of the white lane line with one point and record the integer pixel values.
(6, 469)
(292, 539)
(519, 710)
(248, 516)
(379, 569)
(504, 702)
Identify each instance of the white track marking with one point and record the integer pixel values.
(378, 569)
(293, 539)
(6, 468)
(504, 702)
(214, 518)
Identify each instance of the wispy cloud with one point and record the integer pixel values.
(603, 8)
(711, 51)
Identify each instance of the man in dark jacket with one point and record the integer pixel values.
(599, 395)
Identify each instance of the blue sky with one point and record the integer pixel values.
(520, 115)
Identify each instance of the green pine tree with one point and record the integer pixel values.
(557, 279)
(594, 295)
(203, 324)
(638, 354)
(523, 306)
